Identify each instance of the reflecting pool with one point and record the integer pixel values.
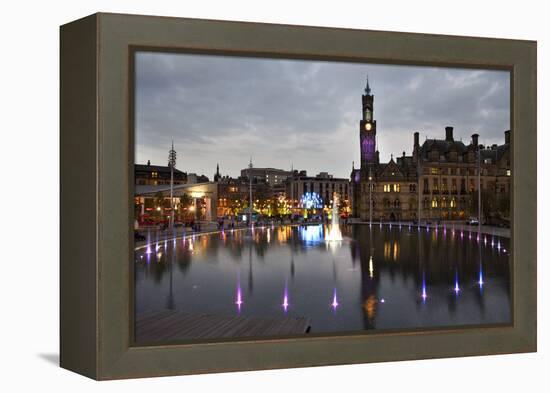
(379, 277)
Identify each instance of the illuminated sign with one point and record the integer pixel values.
(311, 200)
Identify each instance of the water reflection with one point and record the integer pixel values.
(377, 277)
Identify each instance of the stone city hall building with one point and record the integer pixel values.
(441, 173)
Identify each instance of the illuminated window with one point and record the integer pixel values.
(154, 175)
(435, 171)
(434, 203)
(386, 188)
(453, 203)
(508, 172)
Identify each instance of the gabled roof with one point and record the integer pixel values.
(391, 169)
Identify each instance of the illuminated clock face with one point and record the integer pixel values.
(368, 126)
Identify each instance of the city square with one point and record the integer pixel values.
(415, 242)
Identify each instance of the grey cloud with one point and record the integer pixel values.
(283, 112)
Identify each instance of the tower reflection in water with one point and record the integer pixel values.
(377, 277)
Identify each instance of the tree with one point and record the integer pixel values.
(185, 201)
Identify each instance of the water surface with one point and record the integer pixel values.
(384, 277)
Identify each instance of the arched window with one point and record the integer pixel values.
(396, 203)
(434, 203)
(444, 202)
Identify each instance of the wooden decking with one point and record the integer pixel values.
(168, 325)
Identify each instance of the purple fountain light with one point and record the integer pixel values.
(285, 299)
(334, 303)
(239, 301)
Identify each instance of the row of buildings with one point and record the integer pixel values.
(439, 180)
(275, 192)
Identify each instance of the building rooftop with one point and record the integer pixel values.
(155, 168)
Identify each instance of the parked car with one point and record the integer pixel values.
(473, 221)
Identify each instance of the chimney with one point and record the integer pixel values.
(417, 139)
(148, 162)
(507, 136)
(475, 139)
(449, 134)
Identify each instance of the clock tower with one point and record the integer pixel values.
(367, 129)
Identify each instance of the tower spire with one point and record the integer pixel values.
(367, 89)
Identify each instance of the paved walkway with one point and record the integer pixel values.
(167, 325)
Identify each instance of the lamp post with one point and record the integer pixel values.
(418, 184)
(250, 192)
(370, 196)
(479, 189)
(172, 164)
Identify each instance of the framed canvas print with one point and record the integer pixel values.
(240, 196)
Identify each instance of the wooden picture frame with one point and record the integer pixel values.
(97, 186)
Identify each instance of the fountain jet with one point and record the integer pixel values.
(334, 235)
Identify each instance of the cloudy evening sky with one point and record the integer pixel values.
(302, 113)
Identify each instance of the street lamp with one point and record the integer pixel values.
(172, 164)
(250, 192)
(370, 197)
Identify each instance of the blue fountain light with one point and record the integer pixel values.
(480, 280)
(457, 287)
(424, 294)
